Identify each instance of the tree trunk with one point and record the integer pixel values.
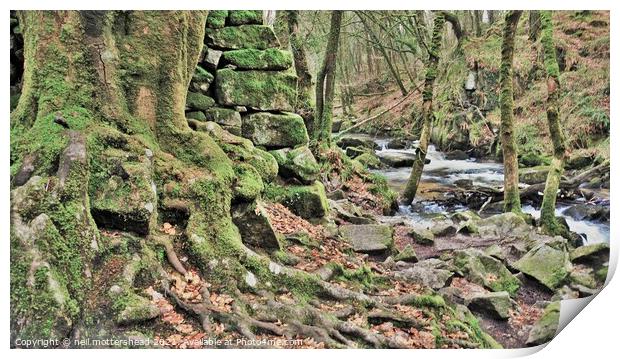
(427, 110)
(478, 22)
(534, 25)
(512, 202)
(325, 86)
(304, 105)
(385, 54)
(103, 107)
(547, 213)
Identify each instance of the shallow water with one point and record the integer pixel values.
(482, 173)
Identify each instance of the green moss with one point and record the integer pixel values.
(253, 59)
(309, 202)
(199, 101)
(217, 18)
(242, 37)
(242, 17)
(264, 90)
(201, 75)
(368, 160)
(275, 130)
(248, 185)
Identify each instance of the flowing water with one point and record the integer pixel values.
(443, 172)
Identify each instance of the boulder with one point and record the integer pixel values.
(135, 309)
(297, 163)
(212, 59)
(582, 211)
(432, 272)
(248, 184)
(579, 160)
(533, 159)
(503, 225)
(224, 116)
(243, 17)
(582, 276)
(350, 140)
(407, 254)
(254, 226)
(253, 59)
(495, 304)
(590, 252)
(308, 202)
(259, 90)
(422, 236)
(457, 155)
(353, 152)
(464, 183)
(545, 328)
(368, 160)
(241, 37)
(443, 229)
(482, 269)
(349, 212)
(368, 238)
(198, 101)
(397, 144)
(397, 159)
(274, 130)
(195, 115)
(546, 264)
(201, 80)
(533, 175)
(217, 19)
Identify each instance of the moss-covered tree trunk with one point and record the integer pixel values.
(427, 108)
(548, 220)
(304, 105)
(325, 85)
(534, 25)
(512, 201)
(98, 134)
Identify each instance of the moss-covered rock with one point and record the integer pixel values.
(368, 160)
(224, 116)
(198, 101)
(260, 90)
(368, 238)
(309, 202)
(217, 19)
(585, 253)
(407, 254)
(248, 183)
(274, 130)
(242, 37)
(545, 328)
(533, 175)
(546, 264)
(244, 17)
(254, 226)
(533, 159)
(496, 304)
(422, 236)
(196, 115)
(485, 270)
(253, 59)
(297, 163)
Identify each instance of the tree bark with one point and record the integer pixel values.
(534, 25)
(478, 22)
(427, 108)
(512, 202)
(547, 213)
(104, 96)
(304, 105)
(325, 86)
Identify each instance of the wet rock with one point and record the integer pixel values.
(579, 160)
(587, 212)
(397, 144)
(252, 59)
(495, 304)
(457, 155)
(545, 328)
(407, 254)
(254, 226)
(433, 273)
(240, 37)
(397, 159)
(422, 236)
(368, 238)
(482, 269)
(350, 140)
(533, 175)
(503, 225)
(464, 183)
(353, 152)
(259, 90)
(297, 163)
(274, 130)
(546, 264)
(443, 229)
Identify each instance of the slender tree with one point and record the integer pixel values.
(304, 105)
(325, 85)
(512, 201)
(548, 220)
(534, 25)
(427, 109)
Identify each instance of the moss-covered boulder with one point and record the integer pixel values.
(496, 304)
(195, 115)
(503, 225)
(254, 226)
(533, 175)
(260, 90)
(407, 254)
(368, 238)
(545, 328)
(368, 160)
(244, 17)
(242, 37)
(253, 59)
(297, 163)
(126, 200)
(198, 101)
(546, 264)
(217, 19)
(248, 183)
(422, 236)
(201, 80)
(309, 202)
(485, 270)
(432, 273)
(132, 308)
(274, 130)
(589, 252)
(226, 117)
